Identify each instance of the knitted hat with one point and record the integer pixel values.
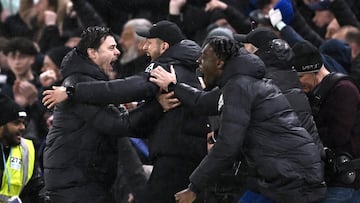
(57, 54)
(221, 31)
(307, 58)
(164, 30)
(9, 110)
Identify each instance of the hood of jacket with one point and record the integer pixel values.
(186, 53)
(338, 50)
(74, 63)
(244, 64)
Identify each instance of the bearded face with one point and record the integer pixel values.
(12, 132)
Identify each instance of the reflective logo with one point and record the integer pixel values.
(220, 102)
(149, 68)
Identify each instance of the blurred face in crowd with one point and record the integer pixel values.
(210, 66)
(307, 81)
(49, 65)
(129, 44)
(105, 55)
(11, 132)
(322, 18)
(127, 38)
(154, 47)
(20, 64)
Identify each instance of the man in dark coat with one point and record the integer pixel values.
(280, 158)
(80, 154)
(335, 108)
(177, 142)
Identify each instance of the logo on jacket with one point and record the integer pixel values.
(149, 68)
(220, 102)
(15, 163)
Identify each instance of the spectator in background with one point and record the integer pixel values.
(133, 58)
(335, 106)
(351, 35)
(21, 55)
(50, 71)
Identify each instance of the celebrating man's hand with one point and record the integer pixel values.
(168, 101)
(185, 196)
(55, 96)
(162, 78)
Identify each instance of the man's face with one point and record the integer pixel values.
(106, 54)
(11, 133)
(307, 81)
(20, 64)
(209, 65)
(127, 38)
(154, 47)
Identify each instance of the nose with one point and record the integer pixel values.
(117, 52)
(145, 47)
(22, 126)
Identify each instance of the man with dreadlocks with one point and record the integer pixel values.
(257, 125)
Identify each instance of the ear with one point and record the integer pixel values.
(164, 46)
(220, 64)
(91, 53)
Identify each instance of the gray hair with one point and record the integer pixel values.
(139, 25)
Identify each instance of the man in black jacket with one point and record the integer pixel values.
(80, 154)
(177, 142)
(279, 158)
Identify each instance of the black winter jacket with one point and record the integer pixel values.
(282, 161)
(285, 77)
(81, 145)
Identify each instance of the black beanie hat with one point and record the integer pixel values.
(9, 110)
(307, 58)
(57, 54)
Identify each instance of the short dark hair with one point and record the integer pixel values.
(353, 36)
(223, 47)
(93, 37)
(22, 45)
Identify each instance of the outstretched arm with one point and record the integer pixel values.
(118, 91)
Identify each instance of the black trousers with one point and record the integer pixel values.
(169, 176)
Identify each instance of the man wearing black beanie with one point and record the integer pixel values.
(18, 155)
(335, 103)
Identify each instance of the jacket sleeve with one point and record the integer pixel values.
(87, 14)
(237, 20)
(202, 102)
(234, 122)
(134, 88)
(343, 13)
(299, 24)
(111, 121)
